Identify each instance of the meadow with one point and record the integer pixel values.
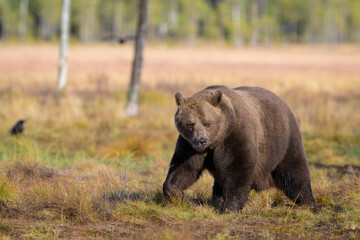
(84, 170)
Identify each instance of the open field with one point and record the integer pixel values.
(83, 170)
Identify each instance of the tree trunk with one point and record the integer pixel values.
(24, 6)
(173, 19)
(116, 18)
(254, 23)
(87, 22)
(310, 36)
(44, 29)
(64, 39)
(236, 14)
(132, 107)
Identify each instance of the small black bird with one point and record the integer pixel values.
(17, 128)
(119, 39)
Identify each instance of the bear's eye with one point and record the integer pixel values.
(190, 125)
(207, 124)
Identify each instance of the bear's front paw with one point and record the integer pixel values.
(232, 206)
(172, 193)
(217, 201)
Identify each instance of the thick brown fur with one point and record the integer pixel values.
(246, 137)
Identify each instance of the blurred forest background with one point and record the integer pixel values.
(237, 22)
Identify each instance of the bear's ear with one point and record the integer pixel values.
(179, 98)
(215, 97)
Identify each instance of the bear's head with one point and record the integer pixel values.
(198, 118)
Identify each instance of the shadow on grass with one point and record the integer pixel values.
(157, 197)
(122, 196)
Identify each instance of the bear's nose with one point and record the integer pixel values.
(201, 142)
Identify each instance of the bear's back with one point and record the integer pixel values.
(265, 97)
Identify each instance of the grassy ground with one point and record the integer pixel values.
(83, 170)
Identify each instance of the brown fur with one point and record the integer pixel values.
(246, 137)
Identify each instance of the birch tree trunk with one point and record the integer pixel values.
(117, 18)
(132, 107)
(64, 39)
(24, 6)
(174, 15)
(87, 21)
(254, 23)
(236, 14)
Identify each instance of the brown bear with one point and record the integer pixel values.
(246, 137)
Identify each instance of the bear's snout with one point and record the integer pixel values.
(200, 143)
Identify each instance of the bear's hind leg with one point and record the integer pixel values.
(293, 178)
(292, 174)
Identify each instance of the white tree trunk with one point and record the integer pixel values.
(174, 12)
(24, 6)
(236, 12)
(87, 22)
(117, 18)
(254, 23)
(132, 107)
(64, 39)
